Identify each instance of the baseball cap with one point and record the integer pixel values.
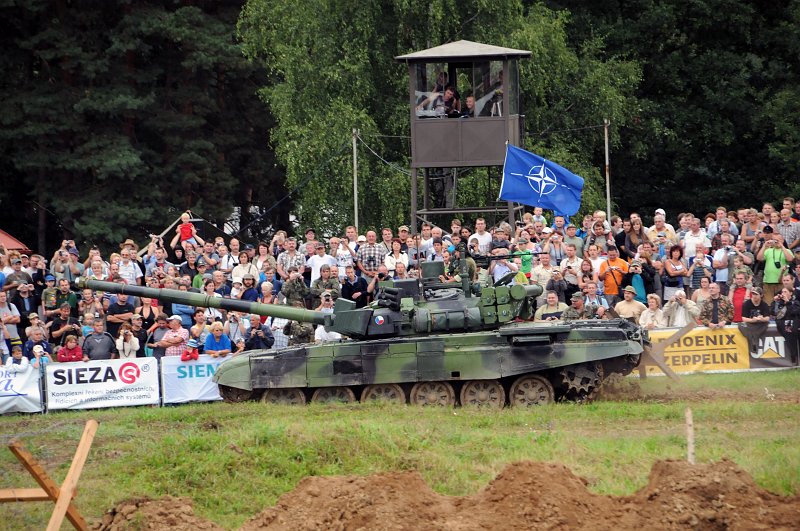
(249, 247)
(48, 278)
(402, 228)
(38, 349)
(73, 250)
(310, 230)
(756, 289)
(631, 289)
(362, 238)
(136, 317)
(576, 296)
(248, 275)
(636, 263)
(174, 318)
(237, 280)
(33, 315)
(661, 211)
(15, 261)
(192, 343)
(319, 246)
(767, 229)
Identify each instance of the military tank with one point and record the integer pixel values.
(425, 342)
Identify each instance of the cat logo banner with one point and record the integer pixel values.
(722, 350)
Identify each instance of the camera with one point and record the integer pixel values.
(381, 275)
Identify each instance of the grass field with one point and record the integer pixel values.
(234, 460)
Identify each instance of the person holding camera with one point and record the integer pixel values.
(786, 310)
(382, 275)
(774, 257)
(127, 343)
(295, 289)
(326, 283)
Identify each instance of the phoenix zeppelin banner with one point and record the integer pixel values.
(189, 381)
(19, 391)
(104, 383)
(723, 350)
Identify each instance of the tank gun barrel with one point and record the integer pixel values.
(204, 301)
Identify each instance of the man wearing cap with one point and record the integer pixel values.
(317, 260)
(176, 337)
(716, 311)
(17, 278)
(202, 270)
(628, 308)
(295, 289)
(660, 225)
(99, 345)
(754, 319)
(579, 310)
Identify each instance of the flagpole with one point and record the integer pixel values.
(608, 176)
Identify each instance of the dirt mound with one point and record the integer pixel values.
(138, 514)
(525, 495)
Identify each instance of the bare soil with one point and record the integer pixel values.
(525, 495)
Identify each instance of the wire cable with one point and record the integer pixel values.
(390, 164)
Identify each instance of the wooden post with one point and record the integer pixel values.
(689, 436)
(62, 496)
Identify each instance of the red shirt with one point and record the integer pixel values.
(70, 354)
(738, 299)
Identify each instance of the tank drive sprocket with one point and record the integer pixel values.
(582, 381)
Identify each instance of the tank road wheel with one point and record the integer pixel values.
(234, 394)
(290, 397)
(583, 381)
(433, 394)
(383, 392)
(333, 394)
(531, 390)
(483, 393)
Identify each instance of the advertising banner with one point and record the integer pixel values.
(19, 391)
(722, 350)
(189, 381)
(102, 383)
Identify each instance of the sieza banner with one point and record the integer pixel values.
(189, 381)
(102, 383)
(19, 391)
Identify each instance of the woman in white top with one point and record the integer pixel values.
(127, 343)
(397, 255)
(653, 317)
(244, 267)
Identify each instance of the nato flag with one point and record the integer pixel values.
(534, 181)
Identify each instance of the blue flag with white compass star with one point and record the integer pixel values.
(535, 181)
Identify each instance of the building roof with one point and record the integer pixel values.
(13, 244)
(463, 50)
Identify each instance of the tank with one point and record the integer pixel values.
(426, 343)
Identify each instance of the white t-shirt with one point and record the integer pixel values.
(484, 242)
(721, 274)
(317, 261)
(129, 272)
(690, 241)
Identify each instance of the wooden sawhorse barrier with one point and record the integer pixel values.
(61, 496)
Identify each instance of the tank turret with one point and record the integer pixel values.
(402, 308)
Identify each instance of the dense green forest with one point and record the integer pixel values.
(117, 115)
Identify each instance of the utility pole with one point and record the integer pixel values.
(606, 123)
(355, 178)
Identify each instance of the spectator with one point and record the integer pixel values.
(119, 312)
(653, 316)
(244, 267)
(36, 324)
(264, 257)
(701, 294)
(140, 334)
(16, 278)
(217, 344)
(37, 340)
(295, 289)
(64, 294)
(250, 290)
(26, 303)
(700, 266)
(397, 255)
(675, 271)
(176, 337)
(326, 283)
(611, 272)
(738, 295)
(127, 343)
(629, 308)
(354, 287)
(343, 253)
(370, 256)
(317, 260)
(258, 336)
(320, 334)
(91, 303)
(579, 310)
(716, 311)
(640, 275)
(774, 257)
(551, 310)
(16, 363)
(786, 310)
(129, 269)
(63, 324)
(695, 237)
(99, 345)
(290, 258)
(40, 359)
(754, 318)
(502, 266)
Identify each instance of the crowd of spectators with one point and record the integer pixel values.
(732, 266)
